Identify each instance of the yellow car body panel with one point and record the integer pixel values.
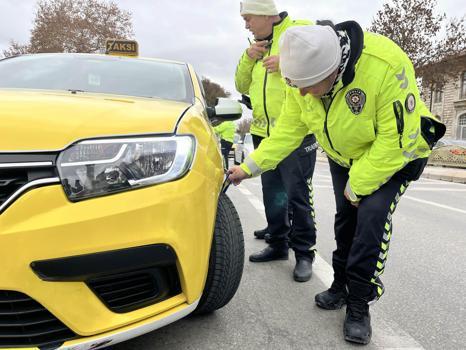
(177, 307)
(43, 224)
(58, 228)
(38, 120)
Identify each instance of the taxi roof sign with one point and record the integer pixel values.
(119, 47)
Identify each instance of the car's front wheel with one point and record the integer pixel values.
(226, 259)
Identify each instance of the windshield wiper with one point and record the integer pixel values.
(74, 91)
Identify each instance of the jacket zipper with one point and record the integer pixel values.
(326, 119)
(265, 98)
(400, 123)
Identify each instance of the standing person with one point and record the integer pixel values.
(226, 133)
(357, 91)
(258, 75)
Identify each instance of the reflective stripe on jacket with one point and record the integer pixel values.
(226, 131)
(372, 123)
(266, 90)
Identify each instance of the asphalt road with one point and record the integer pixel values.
(424, 306)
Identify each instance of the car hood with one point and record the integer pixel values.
(31, 120)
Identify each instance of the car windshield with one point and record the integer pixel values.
(450, 142)
(98, 74)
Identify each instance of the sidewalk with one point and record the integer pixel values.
(430, 172)
(443, 173)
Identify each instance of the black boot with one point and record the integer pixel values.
(333, 298)
(303, 270)
(357, 326)
(260, 234)
(270, 253)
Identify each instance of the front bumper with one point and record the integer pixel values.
(135, 330)
(42, 225)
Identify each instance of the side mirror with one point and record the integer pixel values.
(225, 110)
(246, 100)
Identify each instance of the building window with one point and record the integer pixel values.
(462, 127)
(463, 86)
(438, 95)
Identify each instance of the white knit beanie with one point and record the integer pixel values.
(258, 7)
(309, 54)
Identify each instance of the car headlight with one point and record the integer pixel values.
(99, 167)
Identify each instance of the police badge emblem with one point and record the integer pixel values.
(356, 99)
(410, 103)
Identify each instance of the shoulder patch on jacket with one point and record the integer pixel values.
(410, 103)
(356, 99)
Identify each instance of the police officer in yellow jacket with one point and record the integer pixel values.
(258, 76)
(226, 132)
(357, 92)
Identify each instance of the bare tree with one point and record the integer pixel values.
(16, 49)
(427, 38)
(243, 127)
(75, 26)
(213, 91)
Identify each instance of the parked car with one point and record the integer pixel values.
(449, 153)
(99, 157)
(450, 142)
(243, 148)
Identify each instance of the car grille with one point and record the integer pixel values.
(26, 323)
(10, 181)
(16, 173)
(130, 291)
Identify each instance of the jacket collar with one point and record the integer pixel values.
(279, 26)
(282, 15)
(356, 35)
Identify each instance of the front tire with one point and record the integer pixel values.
(226, 259)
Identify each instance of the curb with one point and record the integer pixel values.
(445, 177)
(435, 173)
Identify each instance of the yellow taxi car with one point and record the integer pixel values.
(113, 221)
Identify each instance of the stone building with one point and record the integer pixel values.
(449, 102)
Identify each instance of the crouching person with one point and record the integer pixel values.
(356, 91)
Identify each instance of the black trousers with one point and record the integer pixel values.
(363, 234)
(225, 148)
(289, 187)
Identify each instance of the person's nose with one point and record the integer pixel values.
(303, 91)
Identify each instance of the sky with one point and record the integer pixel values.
(209, 34)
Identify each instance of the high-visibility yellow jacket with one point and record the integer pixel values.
(266, 90)
(371, 124)
(226, 131)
